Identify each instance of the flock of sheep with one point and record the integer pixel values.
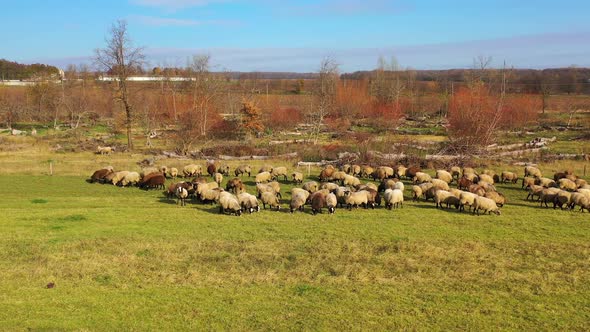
(343, 187)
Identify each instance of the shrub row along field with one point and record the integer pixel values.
(76, 255)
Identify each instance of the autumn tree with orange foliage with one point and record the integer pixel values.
(251, 123)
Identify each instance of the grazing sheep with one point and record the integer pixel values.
(546, 182)
(263, 177)
(532, 172)
(486, 178)
(243, 169)
(580, 183)
(477, 189)
(104, 150)
(580, 200)
(466, 199)
(464, 183)
(163, 170)
(497, 197)
(440, 196)
(233, 184)
(192, 170)
(548, 195)
(131, 178)
(229, 202)
(559, 175)
(108, 178)
(298, 201)
(299, 191)
(181, 194)
(173, 172)
(393, 198)
(345, 168)
(486, 186)
(329, 185)
(212, 195)
(562, 198)
(279, 171)
(338, 176)
(411, 171)
(527, 182)
(311, 186)
(455, 192)
(452, 200)
(400, 171)
(265, 168)
(100, 174)
(509, 177)
(534, 191)
(326, 173)
(318, 201)
(489, 172)
(373, 197)
(366, 171)
(203, 187)
(486, 205)
(585, 192)
(356, 198)
(224, 169)
(248, 202)
(351, 181)
(422, 177)
(271, 199)
(443, 175)
(387, 184)
(421, 189)
(218, 177)
(379, 174)
(456, 172)
(331, 202)
(355, 170)
(171, 192)
(567, 184)
(469, 170)
(118, 177)
(368, 185)
(152, 181)
(297, 177)
(273, 187)
(440, 184)
(211, 169)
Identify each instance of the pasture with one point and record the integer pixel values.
(128, 259)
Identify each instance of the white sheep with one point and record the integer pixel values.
(486, 205)
(173, 172)
(440, 184)
(440, 196)
(104, 150)
(422, 177)
(192, 170)
(545, 182)
(118, 177)
(339, 176)
(248, 202)
(311, 186)
(202, 187)
(298, 201)
(331, 202)
(400, 171)
(443, 175)
(532, 171)
(567, 184)
(263, 177)
(455, 171)
(299, 191)
(466, 199)
(229, 202)
(218, 177)
(356, 198)
(329, 185)
(341, 194)
(486, 178)
(580, 200)
(297, 177)
(351, 181)
(393, 198)
(271, 199)
(181, 194)
(130, 178)
(509, 177)
(279, 171)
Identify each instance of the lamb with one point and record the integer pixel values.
(263, 177)
(440, 184)
(443, 175)
(440, 196)
(497, 197)
(331, 202)
(173, 172)
(243, 169)
(567, 184)
(265, 168)
(351, 181)
(152, 181)
(393, 198)
(509, 177)
(104, 150)
(218, 177)
(580, 200)
(546, 182)
(118, 177)
(229, 202)
(318, 201)
(311, 186)
(181, 194)
(130, 178)
(192, 170)
(298, 201)
(356, 198)
(271, 199)
(527, 182)
(279, 171)
(421, 177)
(297, 177)
(466, 199)
(532, 171)
(100, 174)
(248, 202)
(485, 204)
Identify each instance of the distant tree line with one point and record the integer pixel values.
(16, 71)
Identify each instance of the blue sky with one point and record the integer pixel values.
(274, 35)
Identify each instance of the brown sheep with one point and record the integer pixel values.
(211, 169)
(411, 172)
(100, 174)
(464, 183)
(153, 181)
(318, 201)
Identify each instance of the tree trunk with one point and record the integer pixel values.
(128, 114)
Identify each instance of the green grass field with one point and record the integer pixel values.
(127, 259)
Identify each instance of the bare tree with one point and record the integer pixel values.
(121, 58)
(324, 96)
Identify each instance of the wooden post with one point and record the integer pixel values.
(51, 168)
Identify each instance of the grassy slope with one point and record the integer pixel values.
(122, 258)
